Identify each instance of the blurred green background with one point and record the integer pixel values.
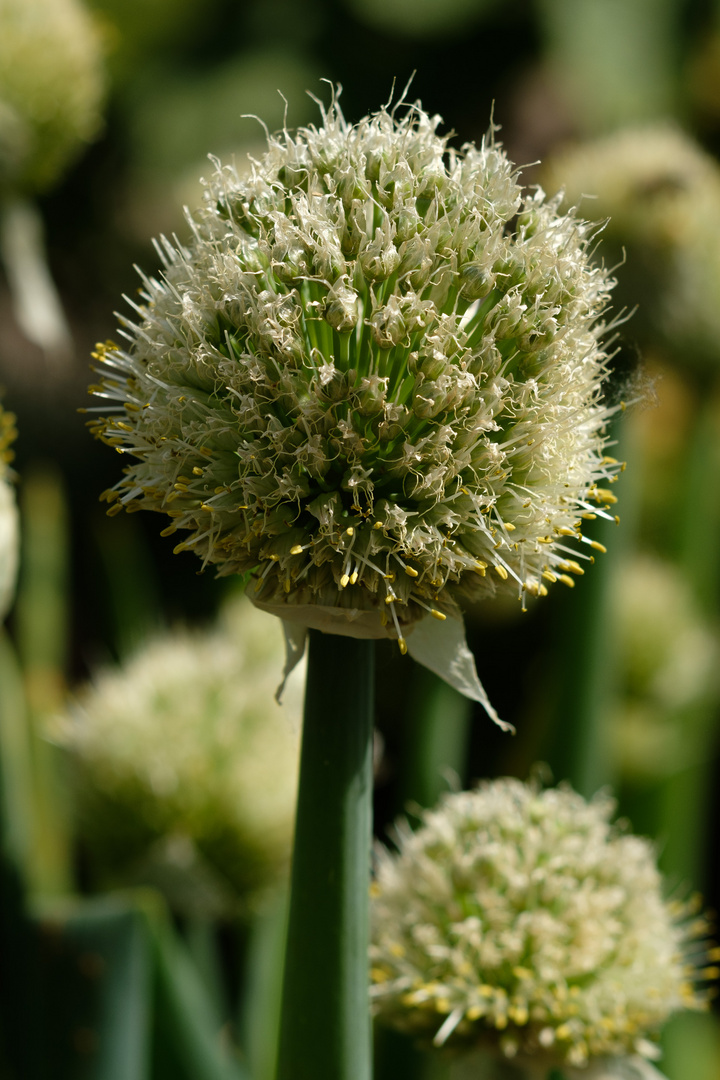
(615, 682)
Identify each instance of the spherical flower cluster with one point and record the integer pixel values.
(661, 194)
(51, 88)
(185, 741)
(9, 525)
(372, 378)
(522, 921)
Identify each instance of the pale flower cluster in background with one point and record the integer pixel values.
(522, 921)
(183, 751)
(52, 85)
(660, 192)
(668, 669)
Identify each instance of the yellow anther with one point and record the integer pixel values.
(711, 972)
(501, 571)
(438, 614)
(378, 525)
(474, 1012)
(403, 646)
(390, 598)
(542, 590)
(297, 550)
(518, 1014)
(349, 531)
(219, 490)
(617, 519)
(481, 567)
(286, 585)
(598, 546)
(180, 547)
(549, 576)
(411, 572)
(204, 506)
(566, 531)
(379, 975)
(572, 566)
(603, 495)
(353, 577)
(167, 531)
(344, 581)
(115, 509)
(390, 576)
(181, 487)
(566, 580)
(509, 526)
(589, 517)
(197, 471)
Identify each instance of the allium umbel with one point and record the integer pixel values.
(523, 922)
(51, 89)
(184, 740)
(372, 379)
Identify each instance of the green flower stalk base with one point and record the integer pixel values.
(325, 1025)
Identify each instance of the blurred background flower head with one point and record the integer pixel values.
(52, 86)
(660, 193)
(184, 767)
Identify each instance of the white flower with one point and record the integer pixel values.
(372, 379)
(522, 921)
(186, 740)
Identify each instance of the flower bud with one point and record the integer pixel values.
(341, 307)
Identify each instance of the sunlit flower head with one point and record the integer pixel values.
(51, 89)
(521, 921)
(185, 740)
(9, 525)
(372, 378)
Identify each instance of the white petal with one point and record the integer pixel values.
(441, 647)
(9, 543)
(295, 638)
(37, 305)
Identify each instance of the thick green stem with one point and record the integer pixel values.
(325, 1025)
